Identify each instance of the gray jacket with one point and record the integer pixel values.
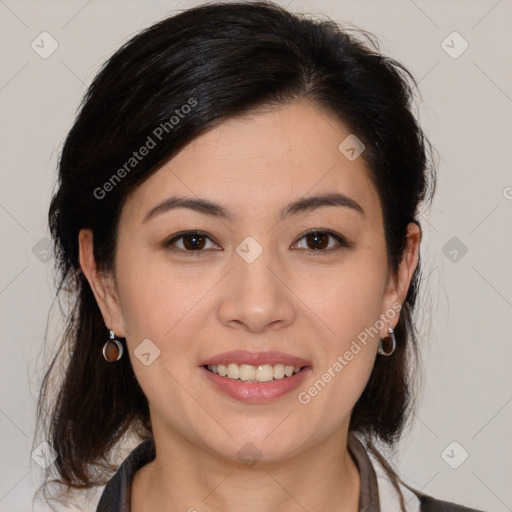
(116, 495)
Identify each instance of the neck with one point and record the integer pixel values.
(185, 478)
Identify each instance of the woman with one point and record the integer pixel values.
(237, 218)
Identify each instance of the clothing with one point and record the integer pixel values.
(377, 491)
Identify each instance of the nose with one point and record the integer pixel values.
(256, 297)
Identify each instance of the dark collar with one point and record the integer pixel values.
(116, 495)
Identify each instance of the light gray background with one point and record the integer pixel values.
(466, 111)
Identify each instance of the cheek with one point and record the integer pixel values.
(348, 302)
(347, 312)
(328, 398)
(162, 305)
(155, 296)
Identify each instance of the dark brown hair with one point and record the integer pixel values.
(230, 58)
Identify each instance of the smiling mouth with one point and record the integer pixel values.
(254, 374)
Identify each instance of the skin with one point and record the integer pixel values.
(288, 299)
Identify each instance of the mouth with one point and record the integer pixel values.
(254, 373)
(269, 383)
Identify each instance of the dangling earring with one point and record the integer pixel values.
(112, 349)
(388, 352)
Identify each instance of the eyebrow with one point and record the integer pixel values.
(208, 207)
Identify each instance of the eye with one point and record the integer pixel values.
(189, 241)
(317, 240)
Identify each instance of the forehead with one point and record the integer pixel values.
(262, 160)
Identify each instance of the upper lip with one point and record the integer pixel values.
(255, 359)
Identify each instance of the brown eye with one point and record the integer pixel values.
(194, 242)
(317, 240)
(190, 241)
(320, 240)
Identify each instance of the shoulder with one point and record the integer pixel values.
(117, 492)
(430, 504)
(389, 497)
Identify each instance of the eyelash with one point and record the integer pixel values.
(342, 241)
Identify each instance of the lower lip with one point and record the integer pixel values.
(256, 392)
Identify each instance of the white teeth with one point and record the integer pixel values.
(249, 373)
(233, 371)
(278, 371)
(264, 373)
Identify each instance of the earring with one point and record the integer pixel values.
(112, 349)
(388, 352)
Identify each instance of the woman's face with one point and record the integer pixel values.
(255, 281)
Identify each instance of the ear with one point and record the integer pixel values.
(102, 285)
(398, 284)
